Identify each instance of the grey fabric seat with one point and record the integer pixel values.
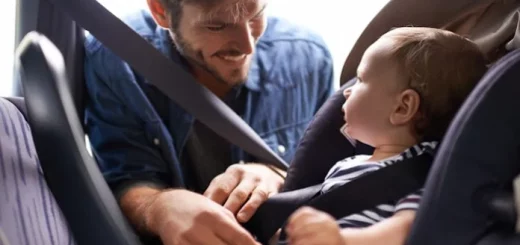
(28, 211)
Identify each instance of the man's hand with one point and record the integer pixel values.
(181, 217)
(243, 187)
(308, 226)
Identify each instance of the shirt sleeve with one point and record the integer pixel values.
(124, 151)
(410, 202)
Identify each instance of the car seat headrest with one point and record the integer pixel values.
(397, 13)
(491, 25)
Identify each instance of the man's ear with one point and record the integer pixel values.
(159, 13)
(408, 103)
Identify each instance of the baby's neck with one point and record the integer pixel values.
(388, 150)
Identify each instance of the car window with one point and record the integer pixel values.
(7, 25)
(339, 22)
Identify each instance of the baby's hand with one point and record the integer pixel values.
(308, 226)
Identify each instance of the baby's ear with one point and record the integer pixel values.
(406, 107)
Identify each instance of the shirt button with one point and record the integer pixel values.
(156, 141)
(281, 149)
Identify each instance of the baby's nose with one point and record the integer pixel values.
(347, 92)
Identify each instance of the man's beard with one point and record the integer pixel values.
(196, 57)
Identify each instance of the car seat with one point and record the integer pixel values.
(469, 192)
(491, 35)
(315, 154)
(73, 176)
(65, 34)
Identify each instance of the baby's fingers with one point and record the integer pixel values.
(301, 217)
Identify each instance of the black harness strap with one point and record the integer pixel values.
(374, 188)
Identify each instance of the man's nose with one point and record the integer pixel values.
(244, 39)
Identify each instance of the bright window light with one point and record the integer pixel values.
(7, 25)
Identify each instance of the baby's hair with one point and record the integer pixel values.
(442, 67)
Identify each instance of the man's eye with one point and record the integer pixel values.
(216, 27)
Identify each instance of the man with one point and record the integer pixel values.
(158, 159)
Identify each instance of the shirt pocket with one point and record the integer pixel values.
(152, 134)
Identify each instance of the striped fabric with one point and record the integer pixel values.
(28, 211)
(353, 167)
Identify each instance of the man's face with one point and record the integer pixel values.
(221, 39)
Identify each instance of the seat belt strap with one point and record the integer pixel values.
(168, 77)
(384, 185)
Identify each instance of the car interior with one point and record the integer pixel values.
(63, 198)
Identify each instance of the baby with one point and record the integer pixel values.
(410, 83)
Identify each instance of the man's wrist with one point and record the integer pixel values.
(153, 212)
(148, 223)
(141, 204)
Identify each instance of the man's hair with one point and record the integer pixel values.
(443, 68)
(173, 9)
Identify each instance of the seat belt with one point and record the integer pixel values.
(160, 71)
(384, 185)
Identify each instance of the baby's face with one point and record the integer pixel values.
(372, 99)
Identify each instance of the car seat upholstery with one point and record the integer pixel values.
(492, 24)
(19, 102)
(432, 13)
(48, 19)
(28, 211)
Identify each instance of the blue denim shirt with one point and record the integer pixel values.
(137, 134)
